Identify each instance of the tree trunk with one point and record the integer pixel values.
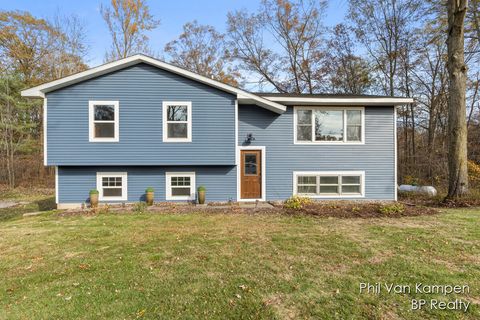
(457, 122)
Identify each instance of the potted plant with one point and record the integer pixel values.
(149, 193)
(94, 198)
(201, 194)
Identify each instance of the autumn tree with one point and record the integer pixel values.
(293, 63)
(25, 43)
(39, 50)
(32, 51)
(457, 123)
(201, 49)
(128, 22)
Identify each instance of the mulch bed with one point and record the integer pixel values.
(338, 209)
(362, 210)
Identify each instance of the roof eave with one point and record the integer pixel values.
(371, 101)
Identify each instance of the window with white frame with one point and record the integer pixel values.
(180, 185)
(103, 121)
(112, 186)
(177, 121)
(329, 184)
(329, 124)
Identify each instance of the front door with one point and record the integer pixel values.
(251, 174)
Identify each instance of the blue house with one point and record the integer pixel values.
(139, 122)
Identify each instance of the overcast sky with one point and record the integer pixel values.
(172, 13)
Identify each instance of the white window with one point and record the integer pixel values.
(112, 186)
(329, 125)
(177, 121)
(103, 121)
(180, 185)
(329, 184)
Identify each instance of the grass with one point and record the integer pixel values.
(32, 200)
(240, 266)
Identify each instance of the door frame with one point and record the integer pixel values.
(262, 149)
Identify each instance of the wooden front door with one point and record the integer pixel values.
(251, 174)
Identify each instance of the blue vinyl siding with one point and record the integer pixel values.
(283, 157)
(140, 90)
(74, 183)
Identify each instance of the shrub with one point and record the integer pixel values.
(140, 207)
(473, 171)
(391, 208)
(411, 180)
(149, 189)
(94, 191)
(202, 188)
(296, 202)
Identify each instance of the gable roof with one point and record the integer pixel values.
(275, 102)
(243, 96)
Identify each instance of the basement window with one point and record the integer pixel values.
(180, 185)
(327, 184)
(112, 186)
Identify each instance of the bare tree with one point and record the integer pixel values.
(201, 49)
(347, 72)
(15, 123)
(296, 26)
(128, 21)
(384, 28)
(457, 123)
(69, 57)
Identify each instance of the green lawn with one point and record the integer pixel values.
(232, 266)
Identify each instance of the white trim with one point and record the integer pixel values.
(56, 185)
(168, 185)
(264, 173)
(91, 118)
(395, 152)
(237, 158)
(123, 175)
(371, 101)
(165, 105)
(45, 131)
(331, 173)
(246, 97)
(344, 109)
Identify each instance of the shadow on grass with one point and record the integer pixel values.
(46, 204)
(15, 212)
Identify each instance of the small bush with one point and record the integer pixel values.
(296, 202)
(474, 172)
(103, 209)
(140, 207)
(94, 191)
(149, 189)
(411, 180)
(201, 188)
(391, 208)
